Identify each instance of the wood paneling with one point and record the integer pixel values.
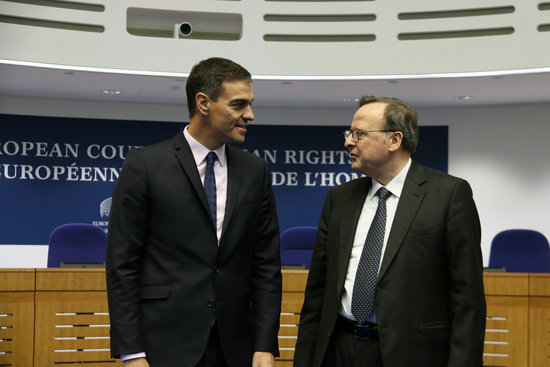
(539, 331)
(506, 284)
(294, 284)
(72, 318)
(17, 280)
(506, 331)
(16, 327)
(539, 285)
(50, 316)
(66, 279)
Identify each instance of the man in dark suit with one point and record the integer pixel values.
(193, 271)
(425, 305)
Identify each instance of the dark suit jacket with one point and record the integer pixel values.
(429, 301)
(167, 279)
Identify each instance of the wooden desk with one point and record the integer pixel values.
(16, 317)
(72, 318)
(506, 334)
(294, 284)
(539, 320)
(61, 315)
(518, 318)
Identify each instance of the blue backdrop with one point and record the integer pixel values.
(63, 170)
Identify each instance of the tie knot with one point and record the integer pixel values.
(211, 158)
(383, 193)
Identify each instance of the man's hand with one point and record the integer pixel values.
(262, 359)
(138, 362)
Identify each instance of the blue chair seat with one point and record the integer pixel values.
(520, 251)
(76, 243)
(297, 246)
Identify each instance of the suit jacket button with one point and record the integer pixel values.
(216, 269)
(211, 304)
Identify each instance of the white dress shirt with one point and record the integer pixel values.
(220, 171)
(395, 186)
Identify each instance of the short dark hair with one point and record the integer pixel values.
(399, 116)
(208, 76)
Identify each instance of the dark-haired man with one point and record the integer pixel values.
(193, 264)
(396, 275)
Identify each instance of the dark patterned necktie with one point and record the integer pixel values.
(362, 302)
(210, 184)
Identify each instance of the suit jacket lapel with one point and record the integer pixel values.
(411, 198)
(348, 226)
(234, 172)
(185, 157)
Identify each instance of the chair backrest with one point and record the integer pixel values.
(520, 251)
(76, 243)
(297, 245)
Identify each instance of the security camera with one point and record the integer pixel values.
(183, 29)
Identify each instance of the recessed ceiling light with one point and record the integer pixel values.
(110, 91)
(350, 99)
(286, 82)
(463, 98)
(393, 81)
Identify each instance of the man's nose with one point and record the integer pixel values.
(248, 115)
(348, 143)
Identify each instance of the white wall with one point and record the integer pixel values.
(503, 151)
(505, 155)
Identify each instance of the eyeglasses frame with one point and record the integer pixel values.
(356, 138)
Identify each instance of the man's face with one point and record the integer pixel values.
(229, 115)
(369, 153)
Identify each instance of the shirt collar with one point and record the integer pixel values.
(200, 151)
(395, 186)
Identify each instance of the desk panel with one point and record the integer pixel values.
(67, 279)
(72, 318)
(506, 332)
(16, 328)
(294, 284)
(539, 331)
(506, 284)
(16, 317)
(61, 315)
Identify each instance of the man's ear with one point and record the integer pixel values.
(203, 103)
(395, 140)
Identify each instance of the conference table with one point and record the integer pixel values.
(59, 316)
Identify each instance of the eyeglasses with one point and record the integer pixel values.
(358, 134)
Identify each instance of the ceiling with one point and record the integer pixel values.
(45, 81)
